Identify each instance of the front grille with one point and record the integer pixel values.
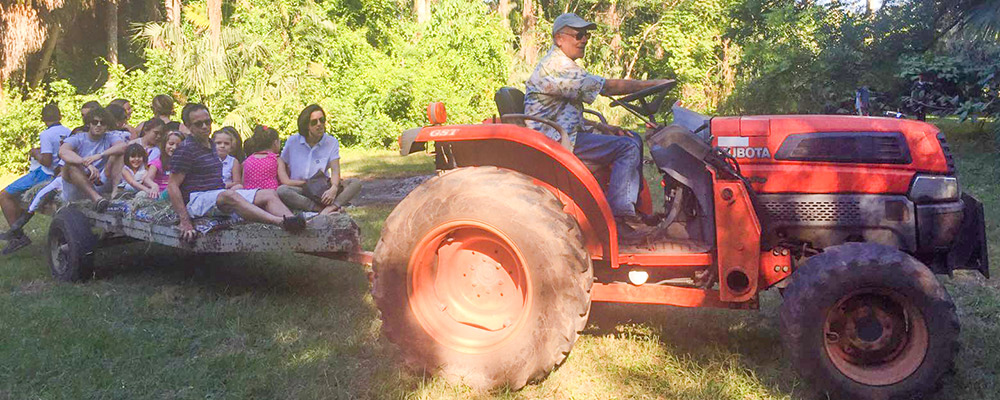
(841, 212)
(946, 149)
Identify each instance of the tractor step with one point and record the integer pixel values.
(666, 246)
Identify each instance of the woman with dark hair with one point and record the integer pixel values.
(309, 167)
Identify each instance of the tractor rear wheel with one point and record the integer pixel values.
(867, 321)
(480, 276)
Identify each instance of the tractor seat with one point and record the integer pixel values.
(511, 101)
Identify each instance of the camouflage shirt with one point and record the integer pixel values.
(556, 91)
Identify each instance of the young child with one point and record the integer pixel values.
(134, 172)
(260, 169)
(158, 171)
(232, 171)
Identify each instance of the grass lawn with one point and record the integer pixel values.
(165, 324)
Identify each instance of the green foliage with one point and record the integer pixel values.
(20, 120)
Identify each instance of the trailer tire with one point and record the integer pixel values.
(867, 321)
(71, 245)
(482, 278)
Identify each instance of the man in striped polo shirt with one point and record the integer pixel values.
(196, 188)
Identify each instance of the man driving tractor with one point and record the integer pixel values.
(557, 90)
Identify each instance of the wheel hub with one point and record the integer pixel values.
(59, 252)
(469, 287)
(875, 337)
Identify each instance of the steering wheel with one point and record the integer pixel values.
(645, 108)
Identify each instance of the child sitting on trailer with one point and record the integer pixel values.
(134, 172)
(158, 171)
(260, 169)
(232, 171)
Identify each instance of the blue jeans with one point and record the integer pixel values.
(624, 153)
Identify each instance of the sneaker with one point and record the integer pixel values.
(294, 224)
(21, 221)
(16, 243)
(102, 205)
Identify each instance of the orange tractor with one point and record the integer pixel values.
(485, 273)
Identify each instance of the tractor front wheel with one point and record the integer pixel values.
(480, 276)
(866, 321)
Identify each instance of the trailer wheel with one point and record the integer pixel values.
(868, 321)
(71, 246)
(482, 278)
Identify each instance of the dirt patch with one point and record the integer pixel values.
(387, 191)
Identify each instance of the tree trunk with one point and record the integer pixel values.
(50, 46)
(113, 31)
(613, 20)
(173, 8)
(422, 9)
(869, 7)
(529, 49)
(215, 22)
(503, 8)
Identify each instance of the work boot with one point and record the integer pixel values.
(631, 229)
(16, 243)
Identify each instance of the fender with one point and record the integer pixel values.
(531, 153)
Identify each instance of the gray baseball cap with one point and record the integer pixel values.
(571, 20)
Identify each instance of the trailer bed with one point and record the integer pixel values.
(138, 219)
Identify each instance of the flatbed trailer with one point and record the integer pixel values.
(77, 231)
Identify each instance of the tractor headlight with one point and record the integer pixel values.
(933, 188)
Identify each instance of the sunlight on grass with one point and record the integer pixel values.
(6, 179)
(382, 163)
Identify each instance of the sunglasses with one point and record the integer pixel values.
(96, 122)
(579, 35)
(201, 124)
(314, 122)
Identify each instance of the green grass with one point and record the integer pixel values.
(378, 163)
(159, 323)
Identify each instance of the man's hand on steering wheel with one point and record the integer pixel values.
(609, 129)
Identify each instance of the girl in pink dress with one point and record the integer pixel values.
(260, 169)
(157, 173)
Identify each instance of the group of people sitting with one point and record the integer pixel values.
(200, 172)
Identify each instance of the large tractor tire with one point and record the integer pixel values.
(482, 278)
(867, 321)
(71, 245)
